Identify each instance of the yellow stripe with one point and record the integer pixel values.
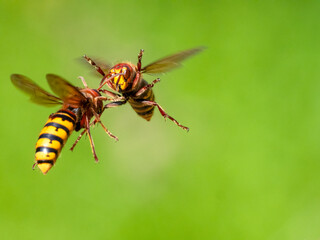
(46, 156)
(65, 123)
(147, 117)
(53, 130)
(147, 94)
(45, 142)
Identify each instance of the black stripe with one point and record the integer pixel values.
(143, 108)
(46, 149)
(71, 114)
(138, 103)
(45, 161)
(63, 117)
(146, 95)
(57, 125)
(146, 113)
(51, 137)
(134, 103)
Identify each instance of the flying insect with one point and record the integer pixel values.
(126, 79)
(79, 106)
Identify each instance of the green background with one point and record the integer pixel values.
(248, 168)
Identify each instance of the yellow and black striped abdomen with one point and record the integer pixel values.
(53, 137)
(143, 110)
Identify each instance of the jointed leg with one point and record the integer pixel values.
(106, 80)
(105, 129)
(78, 139)
(114, 104)
(91, 140)
(164, 114)
(138, 72)
(89, 60)
(81, 134)
(83, 81)
(142, 90)
(98, 100)
(102, 98)
(110, 94)
(139, 60)
(34, 165)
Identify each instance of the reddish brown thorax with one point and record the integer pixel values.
(123, 82)
(97, 104)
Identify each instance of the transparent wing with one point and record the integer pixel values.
(168, 63)
(65, 90)
(36, 93)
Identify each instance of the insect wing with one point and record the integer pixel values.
(36, 93)
(168, 63)
(65, 90)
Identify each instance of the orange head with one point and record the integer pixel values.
(122, 83)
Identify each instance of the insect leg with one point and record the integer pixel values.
(107, 80)
(78, 139)
(114, 104)
(99, 121)
(89, 60)
(34, 165)
(138, 72)
(96, 100)
(87, 130)
(102, 98)
(81, 134)
(139, 60)
(110, 94)
(91, 140)
(83, 81)
(164, 114)
(142, 90)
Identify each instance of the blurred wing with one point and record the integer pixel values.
(168, 63)
(36, 93)
(65, 90)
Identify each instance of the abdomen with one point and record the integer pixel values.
(53, 137)
(144, 111)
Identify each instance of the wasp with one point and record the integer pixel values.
(79, 106)
(126, 79)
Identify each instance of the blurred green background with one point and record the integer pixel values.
(248, 168)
